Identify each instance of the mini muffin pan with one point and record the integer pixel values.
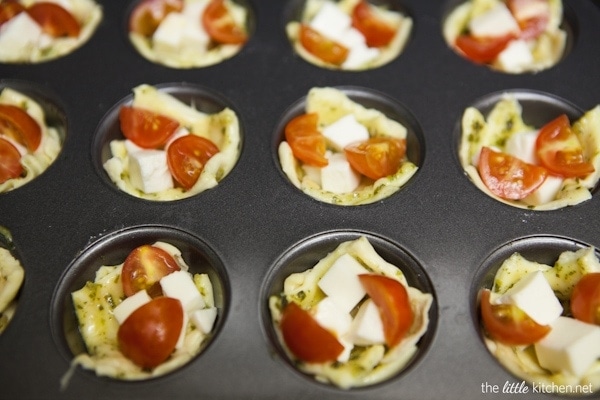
(446, 234)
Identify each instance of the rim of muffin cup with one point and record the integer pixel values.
(541, 248)
(305, 254)
(54, 113)
(368, 98)
(538, 108)
(251, 24)
(293, 13)
(112, 249)
(204, 99)
(569, 24)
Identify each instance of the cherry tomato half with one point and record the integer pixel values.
(305, 338)
(508, 177)
(9, 9)
(54, 20)
(585, 299)
(10, 161)
(509, 324)
(482, 50)
(220, 25)
(187, 156)
(307, 142)
(376, 157)
(144, 267)
(377, 32)
(149, 335)
(148, 14)
(322, 47)
(560, 151)
(20, 126)
(146, 128)
(391, 299)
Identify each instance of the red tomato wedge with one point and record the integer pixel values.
(532, 15)
(305, 338)
(220, 25)
(322, 47)
(9, 9)
(508, 324)
(391, 299)
(560, 151)
(377, 32)
(146, 128)
(376, 157)
(585, 299)
(507, 176)
(20, 126)
(149, 335)
(187, 156)
(148, 14)
(307, 142)
(482, 50)
(10, 161)
(54, 19)
(144, 267)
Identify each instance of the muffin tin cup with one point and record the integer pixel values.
(255, 221)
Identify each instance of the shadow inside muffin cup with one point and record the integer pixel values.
(569, 25)
(113, 249)
(109, 129)
(371, 99)
(307, 253)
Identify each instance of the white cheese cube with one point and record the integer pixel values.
(345, 354)
(179, 32)
(535, 297)
(515, 57)
(367, 328)
(524, 10)
(351, 38)
(132, 147)
(546, 192)
(331, 317)
(130, 304)
(344, 131)
(498, 21)
(338, 176)
(359, 56)
(331, 21)
(522, 146)
(204, 319)
(341, 282)
(18, 37)
(571, 346)
(180, 286)
(149, 172)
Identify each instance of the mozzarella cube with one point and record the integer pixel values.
(535, 297)
(344, 131)
(524, 10)
(18, 36)
(179, 32)
(130, 304)
(341, 282)
(345, 354)
(204, 319)
(149, 172)
(546, 192)
(367, 328)
(338, 176)
(515, 57)
(352, 38)
(359, 56)
(331, 317)
(331, 21)
(522, 146)
(498, 21)
(571, 346)
(180, 285)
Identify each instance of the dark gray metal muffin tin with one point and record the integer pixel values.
(448, 232)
